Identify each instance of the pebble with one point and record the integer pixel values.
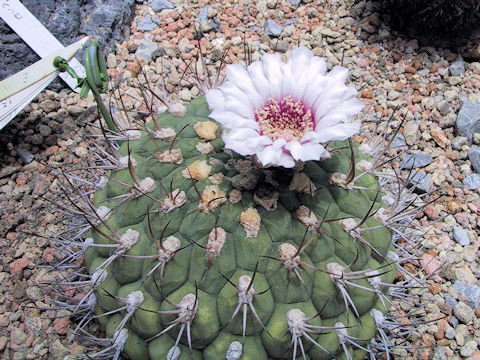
(25, 155)
(418, 160)
(468, 119)
(472, 181)
(18, 336)
(145, 49)
(159, 5)
(461, 236)
(272, 28)
(398, 141)
(474, 156)
(463, 312)
(470, 291)
(469, 348)
(411, 132)
(146, 24)
(457, 68)
(280, 46)
(44, 130)
(3, 342)
(450, 333)
(439, 354)
(421, 181)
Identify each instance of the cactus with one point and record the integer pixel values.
(193, 251)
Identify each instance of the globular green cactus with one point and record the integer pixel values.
(195, 252)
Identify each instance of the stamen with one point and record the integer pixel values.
(288, 119)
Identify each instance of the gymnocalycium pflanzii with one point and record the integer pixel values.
(249, 224)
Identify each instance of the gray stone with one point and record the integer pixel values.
(107, 21)
(469, 291)
(472, 181)
(291, 21)
(469, 348)
(295, 2)
(453, 320)
(146, 49)
(461, 236)
(398, 141)
(146, 24)
(159, 5)
(457, 68)
(463, 312)
(421, 181)
(450, 333)
(468, 119)
(25, 155)
(418, 160)
(279, 45)
(439, 354)
(474, 156)
(272, 28)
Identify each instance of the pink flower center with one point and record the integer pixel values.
(287, 118)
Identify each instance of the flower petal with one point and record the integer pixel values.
(338, 132)
(304, 77)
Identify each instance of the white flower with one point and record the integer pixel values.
(284, 112)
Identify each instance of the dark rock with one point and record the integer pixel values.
(44, 130)
(272, 28)
(418, 160)
(457, 68)
(472, 181)
(474, 156)
(468, 119)
(25, 155)
(105, 20)
(159, 5)
(469, 291)
(37, 139)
